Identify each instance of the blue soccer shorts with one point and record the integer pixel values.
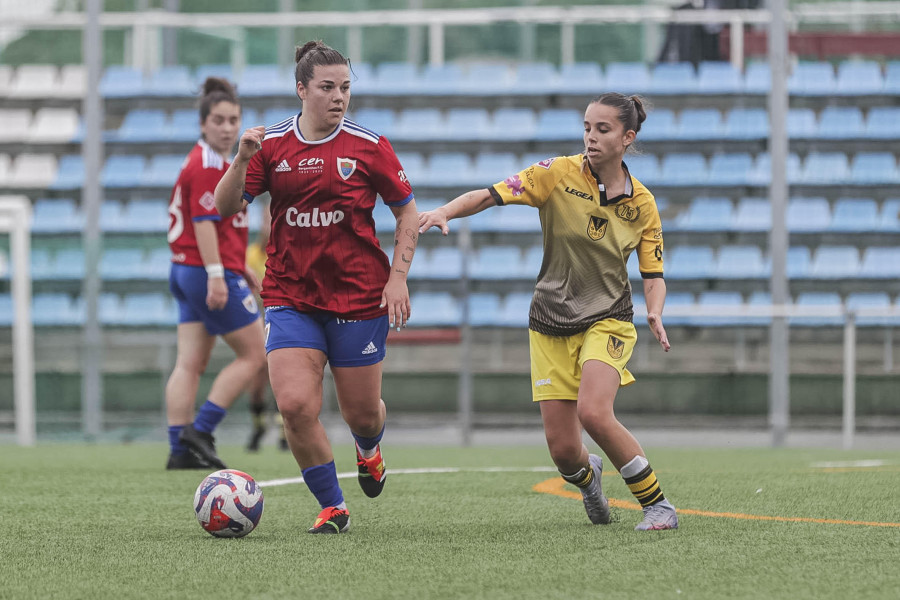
(188, 285)
(346, 343)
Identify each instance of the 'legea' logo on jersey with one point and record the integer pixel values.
(296, 218)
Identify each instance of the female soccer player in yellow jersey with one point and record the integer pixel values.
(593, 213)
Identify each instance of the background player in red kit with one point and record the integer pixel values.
(208, 281)
(329, 290)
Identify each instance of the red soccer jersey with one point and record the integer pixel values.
(323, 254)
(193, 200)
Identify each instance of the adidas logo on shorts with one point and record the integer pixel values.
(370, 349)
(283, 167)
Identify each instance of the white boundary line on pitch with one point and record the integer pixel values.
(850, 464)
(422, 471)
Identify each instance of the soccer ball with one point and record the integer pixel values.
(228, 503)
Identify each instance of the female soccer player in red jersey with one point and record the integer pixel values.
(212, 285)
(594, 214)
(329, 290)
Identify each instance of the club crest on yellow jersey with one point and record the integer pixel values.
(597, 228)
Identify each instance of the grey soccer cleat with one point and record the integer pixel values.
(658, 516)
(595, 503)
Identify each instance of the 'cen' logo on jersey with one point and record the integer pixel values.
(596, 228)
(627, 212)
(311, 165)
(346, 167)
(296, 218)
(579, 194)
(615, 347)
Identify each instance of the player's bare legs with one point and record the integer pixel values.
(194, 349)
(250, 358)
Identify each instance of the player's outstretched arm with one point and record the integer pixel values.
(655, 295)
(466, 205)
(230, 190)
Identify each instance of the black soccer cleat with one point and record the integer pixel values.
(201, 444)
(331, 520)
(187, 460)
(371, 472)
(255, 438)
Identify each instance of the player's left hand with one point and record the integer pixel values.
(396, 297)
(656, 326)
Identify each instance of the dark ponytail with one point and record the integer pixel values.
(313, 54)
(631, 109)
(215, 90)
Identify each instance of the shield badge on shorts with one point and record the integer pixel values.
(346, 167)
(615, 347)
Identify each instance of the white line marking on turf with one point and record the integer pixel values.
(850, 464)
(420, 471)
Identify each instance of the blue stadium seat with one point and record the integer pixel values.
(741, 262)
(484, 309)
(362, 78)
(628, 77)
(718, 78)
(700, 124)
(746, 124)
(250, 117)
(841, 122)
(835, 262)
(684, 169)
(757, 301)
(396, 78)
(825, 168)
(660, 125)
(514, 310)
(645, 167)
(122, 264)
(496, 262)
(272, 116)
(675, 301)
(53, 310)
(163, 170)
(812, 79)
(883, 122)
(214, 70)
(111, 215)
(419, 124)
(70, 174)
(855, 214)
(109, 308)
(443, 262)
(713, 304)
(808, 214)
(580, 78)
(122, 171)
(892, 78)
(802, 123)
(880, 262)
(152, 309)
(267, 80)
(482, 79)
(172, 81)
(559, 124)
(158, 264)
(534, 258)
(690, 262)
(121, 82)
(491, 167)
(862, 301)
(872, 168)
(146, 216)
(184, 125)
(69, 264)
(757, 78)
(513, 124)
(799, 262)
(517, 218)
(414, 166)
(56, 216)
(762, 169)
(753, 214)
(890, 215)
(673, 78)
(435, 309)
(859, 78)
(535, 78)
(40, 264)
(731, 169)
(814, 300)
(384, 219)
(467, 124)
(706, 214)
(143, 125)
(440, 80)
(449, 169)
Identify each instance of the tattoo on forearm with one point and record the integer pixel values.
(404, 259)
(413, 235)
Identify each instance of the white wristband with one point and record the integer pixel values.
(216, 270)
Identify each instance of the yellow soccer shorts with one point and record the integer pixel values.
(556, 362)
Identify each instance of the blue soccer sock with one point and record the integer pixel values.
(174, 444)
(368, 443)
(208, 417)
(322, 481)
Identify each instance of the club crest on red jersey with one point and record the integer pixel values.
(346, 167)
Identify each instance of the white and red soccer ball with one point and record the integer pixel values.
(228, 503)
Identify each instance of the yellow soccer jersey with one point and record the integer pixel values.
(587, 241)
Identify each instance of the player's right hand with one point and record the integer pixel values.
(433, 218)
(216, 293)
(251, 142)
